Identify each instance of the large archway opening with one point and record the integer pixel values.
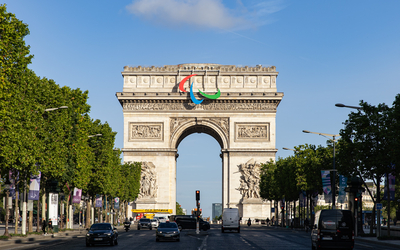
(199, 167)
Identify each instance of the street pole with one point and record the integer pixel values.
(334, 168)
(24, 210)
(334, 176)
(7, 189)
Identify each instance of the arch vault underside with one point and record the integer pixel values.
(158, 116)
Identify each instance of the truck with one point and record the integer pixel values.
(230, 220)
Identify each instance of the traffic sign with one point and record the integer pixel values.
(379, 206)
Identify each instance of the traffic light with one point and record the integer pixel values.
(197, 195)
(356, 203)
(282, 207)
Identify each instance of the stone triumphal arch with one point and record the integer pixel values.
(158, 115)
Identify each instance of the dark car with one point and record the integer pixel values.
(144, 223)
(190, 223)
(102, 233)
(168, 231)
(173, 217)
(333, 228)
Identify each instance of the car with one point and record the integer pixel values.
(173, 218)
(190, 223)
(333, 228)
(154, 222)
(168, 231)
(230, 220)
(101, 233)
(161, 218)
(144, 223)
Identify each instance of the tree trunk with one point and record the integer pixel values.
(30, 226)
(388, 204)
(16, 215)
(378, 200)
(107, 214)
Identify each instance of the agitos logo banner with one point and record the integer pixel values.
(195, 101)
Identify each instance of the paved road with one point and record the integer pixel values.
(249, 238)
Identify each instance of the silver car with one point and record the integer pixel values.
(144, 223)
(154, 223)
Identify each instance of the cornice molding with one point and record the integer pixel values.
(198, 67)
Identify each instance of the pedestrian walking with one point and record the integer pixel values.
(306, 224)
(267, 221)
(44, 224)
(50, 227)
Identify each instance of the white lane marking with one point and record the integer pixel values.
(358, 244)
(203, 245)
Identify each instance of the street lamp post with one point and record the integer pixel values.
(89, 207)
(7, 190)
(334, 168)
(294, 218)
(44, 195)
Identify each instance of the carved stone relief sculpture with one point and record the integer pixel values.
(148, 181)
(251, 131)
(145, 131)
(249, 180)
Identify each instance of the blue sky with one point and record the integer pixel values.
(326, 52)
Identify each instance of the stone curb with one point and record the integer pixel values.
(389, 243)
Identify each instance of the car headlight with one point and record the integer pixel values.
(160, 232)
(87, 234)
(109, 234)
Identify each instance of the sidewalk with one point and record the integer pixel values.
(35, 239)
(41, 239)
(391, 243)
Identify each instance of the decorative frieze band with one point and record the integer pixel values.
(252, 131)
(211, 106)
(146, 131)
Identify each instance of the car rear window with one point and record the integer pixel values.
(100, 227)
(333, 219)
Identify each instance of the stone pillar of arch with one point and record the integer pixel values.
(158, 116)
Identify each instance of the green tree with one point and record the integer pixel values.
(366, 145)
(179, 210)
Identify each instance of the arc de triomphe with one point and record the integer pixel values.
(158, 115)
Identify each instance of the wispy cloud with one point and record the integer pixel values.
(206, 14)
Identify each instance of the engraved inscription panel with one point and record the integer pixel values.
(146, 131)
(251, 131)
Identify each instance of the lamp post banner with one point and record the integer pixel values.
(99, 201)
(342, 186)
(34, 187)
(13, 180)
(77, 195)
(53, 208)
(391, 179)
(116, 203)
(326, 181)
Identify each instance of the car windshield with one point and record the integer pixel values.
(100, 227)
(168, 225)
(144, 220)
(153, 220)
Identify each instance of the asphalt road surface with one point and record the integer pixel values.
(253, 237)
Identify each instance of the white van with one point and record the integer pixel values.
(230, 220)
